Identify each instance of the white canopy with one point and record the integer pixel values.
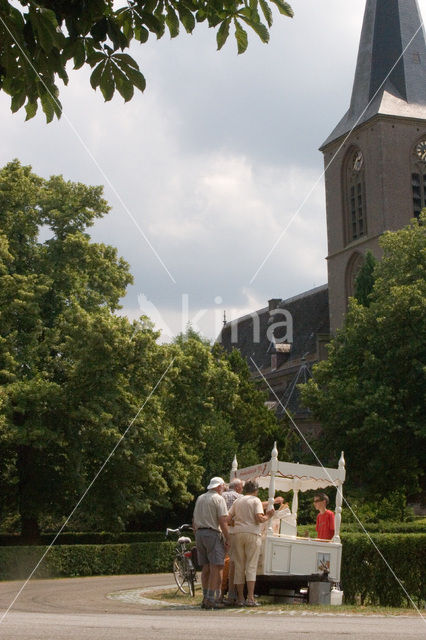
(291, 476)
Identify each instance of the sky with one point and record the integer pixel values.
(213, 173)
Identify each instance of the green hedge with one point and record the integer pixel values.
(387, 526)
(367, 579)
(103, 537)
(384, 526)
(86, 560)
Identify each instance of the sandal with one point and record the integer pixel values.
(252, 603)
(240, 603)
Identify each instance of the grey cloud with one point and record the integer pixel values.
(213, 159)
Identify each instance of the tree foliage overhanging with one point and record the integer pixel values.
(370, 393)
(74, 375)
(37, 39)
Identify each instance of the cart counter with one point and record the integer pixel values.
(285, 555)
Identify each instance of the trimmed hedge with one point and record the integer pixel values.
(384, 526)
(365, 578)
(103, 537)
(106, 537)
(387, 526)
(86, 560)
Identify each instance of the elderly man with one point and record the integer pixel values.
(212, 539)
(234, 491)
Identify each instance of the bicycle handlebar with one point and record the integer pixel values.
(179, 529)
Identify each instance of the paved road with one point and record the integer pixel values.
(79, 609)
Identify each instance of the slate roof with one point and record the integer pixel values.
(391, 66)
(310, 316)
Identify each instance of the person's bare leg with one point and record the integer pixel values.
(205, 575)
(225, 578)
(215, 577)
(231, 585)
(219, 583)
(250, 590)
(240, 592)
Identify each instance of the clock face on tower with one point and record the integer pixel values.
(421, 150)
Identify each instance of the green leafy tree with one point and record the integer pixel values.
(370, 393)
(73, 374)
(199, 392)
(213, 406)
(256, 427)
(37, 39)
(364, 281)
(217, 408)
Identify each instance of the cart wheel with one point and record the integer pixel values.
(180, 573)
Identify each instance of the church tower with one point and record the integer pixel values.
(375, 159)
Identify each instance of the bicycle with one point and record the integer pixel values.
(183, 565)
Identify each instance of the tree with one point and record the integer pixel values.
(213, 407)
(364, 280)
(200, 395)
(255, 426)
(369, 394)
(38, 38)
(73, 374)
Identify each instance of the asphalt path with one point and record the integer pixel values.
(82, 609)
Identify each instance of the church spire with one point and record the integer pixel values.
(390, 77)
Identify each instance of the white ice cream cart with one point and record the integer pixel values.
(286, 558)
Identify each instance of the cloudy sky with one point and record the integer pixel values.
(205, 170)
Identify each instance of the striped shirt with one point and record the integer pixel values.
(230, 497)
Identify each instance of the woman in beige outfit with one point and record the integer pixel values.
(247, 516)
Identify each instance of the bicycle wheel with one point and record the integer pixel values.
(181, 577)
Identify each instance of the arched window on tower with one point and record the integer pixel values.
(353, 266)
(354, 195)
(418, 176)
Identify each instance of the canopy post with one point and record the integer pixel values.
(271, 493)
(295, 501)
(234, 469)
(339, 501)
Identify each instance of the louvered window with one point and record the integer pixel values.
(418, 177)
(354, 189)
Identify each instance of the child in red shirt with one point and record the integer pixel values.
(325, 517)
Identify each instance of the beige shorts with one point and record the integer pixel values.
(245, 550)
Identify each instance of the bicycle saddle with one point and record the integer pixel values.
(184, 540)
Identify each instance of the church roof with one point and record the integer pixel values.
(249, 334)
(390, 77)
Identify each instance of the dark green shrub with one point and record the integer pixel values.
(387, 526)
(389, 508)
(86, 560)
(104, 537)
(384, 526)
(366, 576)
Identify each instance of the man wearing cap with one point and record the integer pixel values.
(210, 523)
